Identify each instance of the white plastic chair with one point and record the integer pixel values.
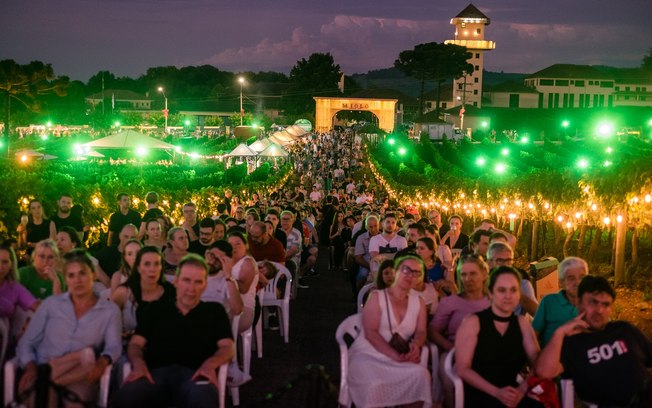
(449, 368)
(568, 394)
(282, 305)
(4, 337)
(361, 295)
(10, 383)
(222, 372)
(352, 326)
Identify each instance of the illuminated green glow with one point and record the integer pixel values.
(500, 168)
(480, 161)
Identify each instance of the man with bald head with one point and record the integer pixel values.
(263, 246)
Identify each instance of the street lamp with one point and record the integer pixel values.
(165, 111)
(241, 80)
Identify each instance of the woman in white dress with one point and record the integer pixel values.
(379, 375)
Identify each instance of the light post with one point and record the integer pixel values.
(241, 80)
(165, 111)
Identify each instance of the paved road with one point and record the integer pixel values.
(314, 316)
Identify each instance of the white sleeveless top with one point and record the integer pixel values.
(249, 298)
(408, 326)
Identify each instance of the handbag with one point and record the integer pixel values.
(397, 342)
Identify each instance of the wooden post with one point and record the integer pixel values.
(595, 243)
(580, 244)
(619, 253)
(534, 255)
(569, 236)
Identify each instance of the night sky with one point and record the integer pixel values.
(81, 37)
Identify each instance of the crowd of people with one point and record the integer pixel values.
(164, 297)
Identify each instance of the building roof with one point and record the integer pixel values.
(469, 110)
(510, 86)
(430, 117)
(470, 12)
(632, 75)
(570, 71)
(119, 95)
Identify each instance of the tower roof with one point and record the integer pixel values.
(471, 14)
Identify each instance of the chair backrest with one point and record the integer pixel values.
(568, 394)
(449, 368)
(269, 291)
(351, 326)
(361, 295)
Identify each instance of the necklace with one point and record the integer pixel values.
(501, 319)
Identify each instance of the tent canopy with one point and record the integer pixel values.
(273, 150)
(128, 139)
(242, 150)
(260, 145)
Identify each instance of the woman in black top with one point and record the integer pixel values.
(493, 346)
(37, 227)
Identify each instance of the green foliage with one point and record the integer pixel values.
(316, 76)
(85, 181)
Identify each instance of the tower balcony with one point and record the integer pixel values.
(473, 44)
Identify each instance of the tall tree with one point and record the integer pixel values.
(647, 60)
(25, 83)
(434, 61)
(316, 76)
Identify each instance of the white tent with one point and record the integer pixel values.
(128, 139)
(260, 145)
(273, 150)
(295, 130)
(33, 153)
(242, 150)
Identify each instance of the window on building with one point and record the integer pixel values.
(556, 102)
(561, 82)
(579, 82)
(477, 55)
(607, 84)
(565, 101)
(595, 101)
(550, 100)
(644, 89)
(638, 89)
(477, 67)
(443, 105)
(590, 82)
(571, 100)
(626, 89)
(617, 88)
(476, 80)
(626, 97)
(581, 100)
(475, 104)
(478, 30)
(546, 82)
(475, 92)
(460, 86)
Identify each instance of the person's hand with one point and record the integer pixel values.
(51, 272)
(140, 372)
(509, 396)
(204, 372)
(28, 378)
(414, 355)
(575, 326)
(98, 370)
(227, 265)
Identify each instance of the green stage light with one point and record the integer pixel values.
(177, 149)
(141, 151)
(582, 163)
(402, 151)
(194, 155)
(525, 140)
(117, 124)
(391, 141)
(186, 122)
(500, 168)
(607, 163)
(505, 152)
(565, 124)
(609, 150)
(77, 149)
(485, 124)
(49, 124)
(44, 137)
(480, 161)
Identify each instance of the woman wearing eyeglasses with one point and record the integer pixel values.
(379, 374)
(473, 273)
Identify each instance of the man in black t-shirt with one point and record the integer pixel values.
(608, 361)
(64, 216)
(125, 215)
(178, 347)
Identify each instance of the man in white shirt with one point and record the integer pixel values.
(386, 244)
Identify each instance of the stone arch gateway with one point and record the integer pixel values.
(384, 109)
